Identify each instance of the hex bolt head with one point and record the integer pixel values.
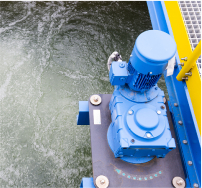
(102, 181)
(189, 163)
(158, 112)
(130, 112)
(132, 141)
(96, 98)
(196, 185)
(122, 79)
(162, 107)
(175, 104)
(180, 122)
(121, 65)
(148, 135)
(180, 182)
(185, 78)
(188, 74)
(184, 142)
(184, 59)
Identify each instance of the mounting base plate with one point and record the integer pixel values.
(158, 172)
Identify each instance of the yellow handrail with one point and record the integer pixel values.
(184, 50)
(191, 60)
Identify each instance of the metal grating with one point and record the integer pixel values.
(191, 13)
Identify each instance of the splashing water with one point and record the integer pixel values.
(53, 54)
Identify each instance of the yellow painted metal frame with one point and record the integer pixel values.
(184, 50)
(191, 61)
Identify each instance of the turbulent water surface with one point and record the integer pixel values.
(53, 54)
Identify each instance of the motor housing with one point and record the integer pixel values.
(140, 130)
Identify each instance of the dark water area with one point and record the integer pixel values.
(52, 55)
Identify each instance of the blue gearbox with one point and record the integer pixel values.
(140, 130)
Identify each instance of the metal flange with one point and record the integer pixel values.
(178, 182)
(95, 99)
(102, 182)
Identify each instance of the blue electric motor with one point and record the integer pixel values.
(140, 130)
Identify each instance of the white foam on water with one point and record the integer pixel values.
(3, 88)
(52, 56)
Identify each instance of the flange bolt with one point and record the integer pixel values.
(188, 74)
(102, 182)
(162, 107)
(185, 78)
(190, 163)
(175, 104)
(132, 140)
(96, 98)
(196, 185)
(178, 182)
(180, 122)
(184, 59)
(148, 135)
(184, 142)
(121, 65)
(158, 112)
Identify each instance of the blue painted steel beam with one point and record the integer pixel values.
(178, 93)
(87, 183)
(83, 116)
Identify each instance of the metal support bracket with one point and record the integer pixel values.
(187, 130)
